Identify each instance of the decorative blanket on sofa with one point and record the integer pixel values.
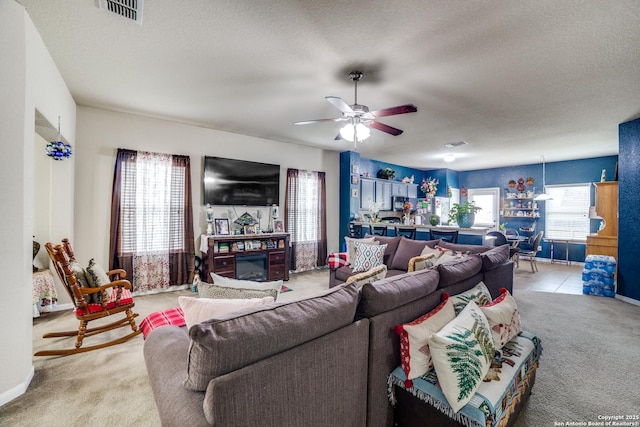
(172, 316)
(496, 398)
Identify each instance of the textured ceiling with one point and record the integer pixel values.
(515, 79)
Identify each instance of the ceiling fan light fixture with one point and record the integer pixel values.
(449, 157)
(357, 131)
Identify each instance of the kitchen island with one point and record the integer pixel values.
(469, 236)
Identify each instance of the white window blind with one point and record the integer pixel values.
(567, 214)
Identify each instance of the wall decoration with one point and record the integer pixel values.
(354, 192)
(355, 179)
(354, 168)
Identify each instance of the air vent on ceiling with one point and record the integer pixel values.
(456, 144)
(129, 9)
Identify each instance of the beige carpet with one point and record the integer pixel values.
(588, 369)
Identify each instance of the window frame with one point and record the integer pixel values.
(572, 217)
(488, 191)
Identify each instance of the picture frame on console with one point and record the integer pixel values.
(222, 226)
(278, 226)
(250, 229)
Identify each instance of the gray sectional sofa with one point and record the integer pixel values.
(318, 361)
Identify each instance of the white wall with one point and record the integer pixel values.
(100, 133)
(30, 80)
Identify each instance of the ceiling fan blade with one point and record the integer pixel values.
(306, 122)
(386, 128)
(338, 137)
(339, 104)
(400, 109)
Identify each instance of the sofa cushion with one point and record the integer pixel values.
(458, 270)
(392, 244)
(198, 310)
(368, 256)
(351, 247)
(471, 249)
(96, 276)
(415, 357)
(246, 284)
(503, 317)
(208, 290)
(478, 294)
(462, 352)
(237, 339)
(392, 292)
(373, 275)
(494, 257)
(407, 249)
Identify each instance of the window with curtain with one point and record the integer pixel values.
(567, 214)
(305, 218)
(151, 220)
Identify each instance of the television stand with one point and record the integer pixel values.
(258, 257)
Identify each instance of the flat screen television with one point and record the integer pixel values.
(240, 182)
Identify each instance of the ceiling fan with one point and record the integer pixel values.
(358, 117)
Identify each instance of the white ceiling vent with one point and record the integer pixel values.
(130, 9)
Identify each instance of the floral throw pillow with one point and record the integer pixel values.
(479, 293)
(462, 352)
(503, 317)
(368, 256)
(415, 356)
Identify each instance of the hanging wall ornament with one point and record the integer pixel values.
(58, 150)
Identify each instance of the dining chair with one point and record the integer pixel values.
(409, 232)
(450, 236)
(379, 230)
(531, 253)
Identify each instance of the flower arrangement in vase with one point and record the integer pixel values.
(429, 186)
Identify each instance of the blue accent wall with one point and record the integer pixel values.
(628, 204)
(566, 172)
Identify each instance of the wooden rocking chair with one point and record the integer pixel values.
(119, 301)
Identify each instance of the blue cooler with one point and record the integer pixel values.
(598, 276)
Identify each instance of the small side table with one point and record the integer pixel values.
(45, 297)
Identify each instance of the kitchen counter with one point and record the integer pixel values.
(475, 231)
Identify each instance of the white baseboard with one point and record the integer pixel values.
(627, 299)
(18, 390)
(62, 307)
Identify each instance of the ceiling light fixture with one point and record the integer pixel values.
(449, 157)
(58, 149)
(543, 196)
(355, 132)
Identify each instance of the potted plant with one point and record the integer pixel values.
(512, 183)
(530, 180)
(387, 173)
(464, 214)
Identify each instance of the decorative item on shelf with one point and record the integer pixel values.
(530, 181)
(249, 229)
(209, 219)
(464, 214)
(449, 191)
(259, 216)
(512, 183)
(463, 191)
(434, 220)
(58, 150)
(222, 226)
(387, 173)
(245, 219)
(374, 208)
(406, 210)
(408, 180)
(429, 186)
(603, 176)
(278, 227)
(521, 187)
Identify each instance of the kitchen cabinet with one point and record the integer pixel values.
(375, 190)
(399, 189)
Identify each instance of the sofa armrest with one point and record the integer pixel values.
(166, 355)
(500, 277)
(418, 262)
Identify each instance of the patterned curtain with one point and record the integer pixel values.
(151, 221)
(305, 218)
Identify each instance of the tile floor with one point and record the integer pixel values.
(560, 278)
